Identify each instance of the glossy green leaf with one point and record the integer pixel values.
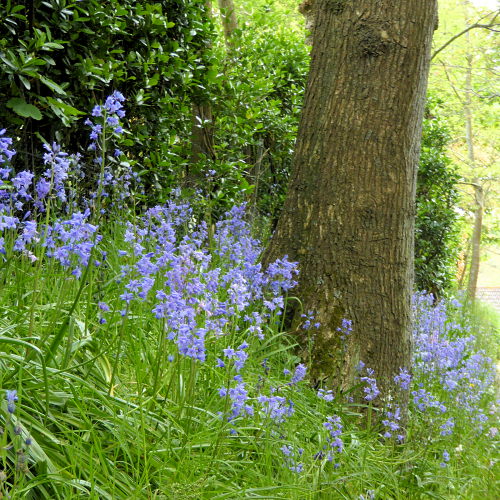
(24, 109)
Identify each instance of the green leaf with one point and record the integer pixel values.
(64, 111)
(151, 82)
(52, 85)
(25, 81)
(52, 45)
(22, 108)
(68, 110)
(9, 62)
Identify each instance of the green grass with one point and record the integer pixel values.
(111, 417)
(489, 269)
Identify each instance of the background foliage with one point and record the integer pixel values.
(437, 220)
(57, 57)
(165, 57)
(108, 407)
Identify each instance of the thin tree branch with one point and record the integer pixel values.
(452, 84)
(472, 26)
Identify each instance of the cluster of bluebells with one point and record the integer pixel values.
(69, 238)
(449, 372)
(345, 329)
(6, 154)
(21, 192)
(55, 177)
(199, 288)
(117, 182)
(197, 292)
(292, 458)
(240, 355)
(334, 443)
(238, 396)
(298, 375)
(116, 177)
(106, 116)
(403, 380)
(392, 424)
(424, 400)
(447, 427)
(326, 394)
(370, 382)
(446, 459)
(308, 321)
(275, 407)
(70, 242)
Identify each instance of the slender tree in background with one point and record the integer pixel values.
(469, 72)
(202, 142)
(229, 20)
(478, 189)
(349, 214)
(202, 133)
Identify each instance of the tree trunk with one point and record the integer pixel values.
(349, 215)
(478, 189)
(476, 242)
(463, 269)
(202, 132)
(202, 135)
(307, 9)
(229, 21)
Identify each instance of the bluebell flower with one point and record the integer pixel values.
(392, 423)
(334, 442)
(371, 390)
(11, 396)
(447, 427)
(345, 329)
(300, 373)
(325, 394)
(6, 153)
(446, 459)
(403, 379)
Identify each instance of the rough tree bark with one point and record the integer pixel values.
(349, 214)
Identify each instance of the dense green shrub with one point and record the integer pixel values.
(436, 228)
(57, 57)
(256, 105)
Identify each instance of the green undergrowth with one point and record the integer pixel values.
(142, 356)
(110, 410)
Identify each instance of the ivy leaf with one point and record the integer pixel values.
(24, 109)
